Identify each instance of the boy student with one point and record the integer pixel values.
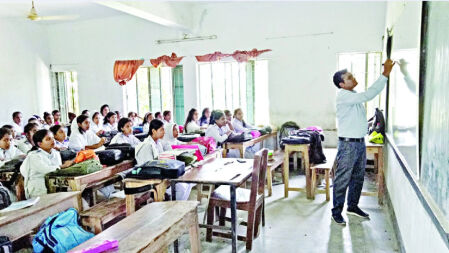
(352, 128)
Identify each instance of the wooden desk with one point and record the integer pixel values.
(17, 224)
(152, 228)
(225, 171)
(304, 149)
(243, 145)
(377, 150)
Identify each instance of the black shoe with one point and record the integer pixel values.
(339, 219)
(357, 212)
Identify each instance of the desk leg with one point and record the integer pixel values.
(380, 177)
(130, 204)
(225, 152)
(173, 198)
(233, 219)
(308, 174)
(285, 169)
(242, 152)
(194, 232)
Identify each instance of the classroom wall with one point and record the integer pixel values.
(416, 229)
(24, 62)
(300, 68)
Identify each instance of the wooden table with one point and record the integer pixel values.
(152, 228)
(377, 150)
(224, 171)
(241, 146)
(304, 149)
(17, 224)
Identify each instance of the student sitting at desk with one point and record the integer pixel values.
(96, 125)
(205, 117)
(17, 122)
(125, 135)
(26, 144)
(7, 150)
(61, 142)
(42, 159)
(215, 129)
(48, 119)
(228, 125)
(191, 124)
(239, 124)
(56, 117)
(82, 138)
(171, 133)
(146, 122)
(110, 122)
(150, 148)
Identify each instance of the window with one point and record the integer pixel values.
(65, 93)
(232, 85)
(156, 90)
(366, 68)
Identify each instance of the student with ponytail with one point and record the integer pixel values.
(41, 160)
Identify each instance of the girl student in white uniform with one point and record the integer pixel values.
(42, 159)
(191, 124)
(125, 135)
(81, 138)
(26, 144)
(149, 150)
(146, 122)
(171, 133)
(239, 124)
(110, 122)
(96, 125)
(61, 142)
(7, 149)
(216, 127)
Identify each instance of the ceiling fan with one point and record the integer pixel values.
(32, 15)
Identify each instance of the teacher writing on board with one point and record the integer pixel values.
(352, 127)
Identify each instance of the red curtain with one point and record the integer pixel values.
(244, 56)
(170, 61)
(211, 57)
(125, 70)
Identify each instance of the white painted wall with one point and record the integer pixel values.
(24, 62)
(300, 69)
(417, 230)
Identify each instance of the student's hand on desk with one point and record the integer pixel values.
(388, 66)
(102, 141)
(100, 132)
(67, 164)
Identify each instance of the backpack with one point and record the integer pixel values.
(158, 169)
(285, 131)
(314, 138)
(187, 137)
(5, 245)
(5, 199)
(377, 123)
(84, 155)
(79, 169)
(237, 138)
(108, 135)
(67, 154)
(110, 157)
(128, 151)
(12, 166)
(60, 233)
(208, 142)
(141, 136)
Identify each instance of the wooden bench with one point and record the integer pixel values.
(152, 228)
(278, 160)
(323, 168)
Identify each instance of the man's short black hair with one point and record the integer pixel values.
(338, 77)
(15, 114)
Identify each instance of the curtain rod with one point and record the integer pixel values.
(187, 38)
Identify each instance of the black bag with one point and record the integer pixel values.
(188, 137)
(5, 245)
(141, 136)
(158, 169)
(377, 123)
(5, 199)
(110, 157)
(313, 138)
(108, 135)
(12, 166)
(67, 155)
(242, 137)
(128, 151)
(285, 131)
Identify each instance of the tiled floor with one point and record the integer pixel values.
(297, 224)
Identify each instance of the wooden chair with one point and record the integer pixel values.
(323, 168)
(250, 200)
(278, 160)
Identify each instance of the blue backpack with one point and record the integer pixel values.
(60, 233)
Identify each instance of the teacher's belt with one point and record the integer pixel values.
(351, 139)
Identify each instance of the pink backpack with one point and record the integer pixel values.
(198, 154)
(255, 134)
(208, 142)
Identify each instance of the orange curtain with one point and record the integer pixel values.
(170, 61)
(125, 70)
(244, 56)
(211, 57)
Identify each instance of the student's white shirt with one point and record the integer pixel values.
(95, 128)
(17, 128)
(217, 133)
(192, 126)
(64, 144)
(146, 128)
(148, 150)
(46, 126)
(165, 122)
(108, 127)
(34, 168)
(9, 154)
(121, 138)
(169, 139)
(136, 122)
(78, 141)
(238, 126)
(24, 145)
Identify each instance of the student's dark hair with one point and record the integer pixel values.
(215, 115)
(189, 117)
(130, 114)
(85, 111)
(226, 112)
(4, 131)
(38, 137)
(28, 127)
(8, 127)
(71, 115)
(15, 114)
(145, 118)
(122, 122)
(102, 107)
(165, 113)
(235, 113)
(46, 114)
(108, 116)
(95, 114)
(54, 129)
(156, 115)
(30, 119)
(79, 120)
(54, 112)
(155, 124)
(338, 77)
(203, 115)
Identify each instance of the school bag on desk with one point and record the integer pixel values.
(128, 151)
(60, 233)
(285, 130)
(67, 154)
(79, 169)
(158, 169)
(14, 167)
(110, 157)
(5, 199)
